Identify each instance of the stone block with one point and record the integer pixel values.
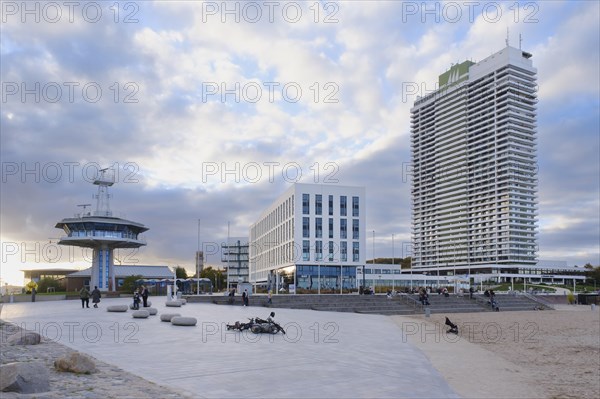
(24, 337)
(76, 363)
(168, 316)
(117, 308)
(30, 377)
(184, 321)
(140, 314)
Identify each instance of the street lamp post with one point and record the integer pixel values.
(373, 261)
(411, 274)
(456, 282)
(227, 246)
(198, 262)
(393, 271)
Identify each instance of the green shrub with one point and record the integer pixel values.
(49, 282)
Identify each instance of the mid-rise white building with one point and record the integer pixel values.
(311, 239)
(474, 187)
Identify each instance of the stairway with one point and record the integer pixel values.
(508, 302)
(454, 304)
(380, 304)
(371, 304)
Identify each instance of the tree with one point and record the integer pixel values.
(591, 272)
(216, 276)
(180, 272)
(129, 283)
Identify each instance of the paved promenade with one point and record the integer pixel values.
(324, 354)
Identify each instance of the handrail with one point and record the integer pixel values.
(409, 300)
(539, 300)
(482, 301)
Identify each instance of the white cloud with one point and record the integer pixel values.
(568, 60)
(371, 55)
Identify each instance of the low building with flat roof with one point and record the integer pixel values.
(75, 281)
(37, 274)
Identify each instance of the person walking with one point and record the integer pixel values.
(96, 295)
(84, 295)
(145, 296)
(245, 297)
(33, 292)
(270, 297)
(493, 301)
(471, 291)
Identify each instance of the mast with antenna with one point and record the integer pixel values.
(104, 181)
(507, 37)
(520, 41)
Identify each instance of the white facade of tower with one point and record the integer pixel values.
(474, 188)
(103, 233)
(311, 230)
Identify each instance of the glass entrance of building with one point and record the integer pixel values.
(325, 279)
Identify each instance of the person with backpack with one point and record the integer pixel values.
(84, 295)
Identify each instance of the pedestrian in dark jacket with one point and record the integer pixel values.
(145, 295)
(96, 295)
(245, 297)
(84, 295)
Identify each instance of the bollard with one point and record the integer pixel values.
(593, 306)
(427, 312)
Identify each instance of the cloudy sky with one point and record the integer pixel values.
(210, 110)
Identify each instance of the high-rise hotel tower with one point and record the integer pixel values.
(474, 165)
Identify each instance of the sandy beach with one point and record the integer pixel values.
(543, 354)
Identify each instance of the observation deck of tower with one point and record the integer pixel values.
(102, 232)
